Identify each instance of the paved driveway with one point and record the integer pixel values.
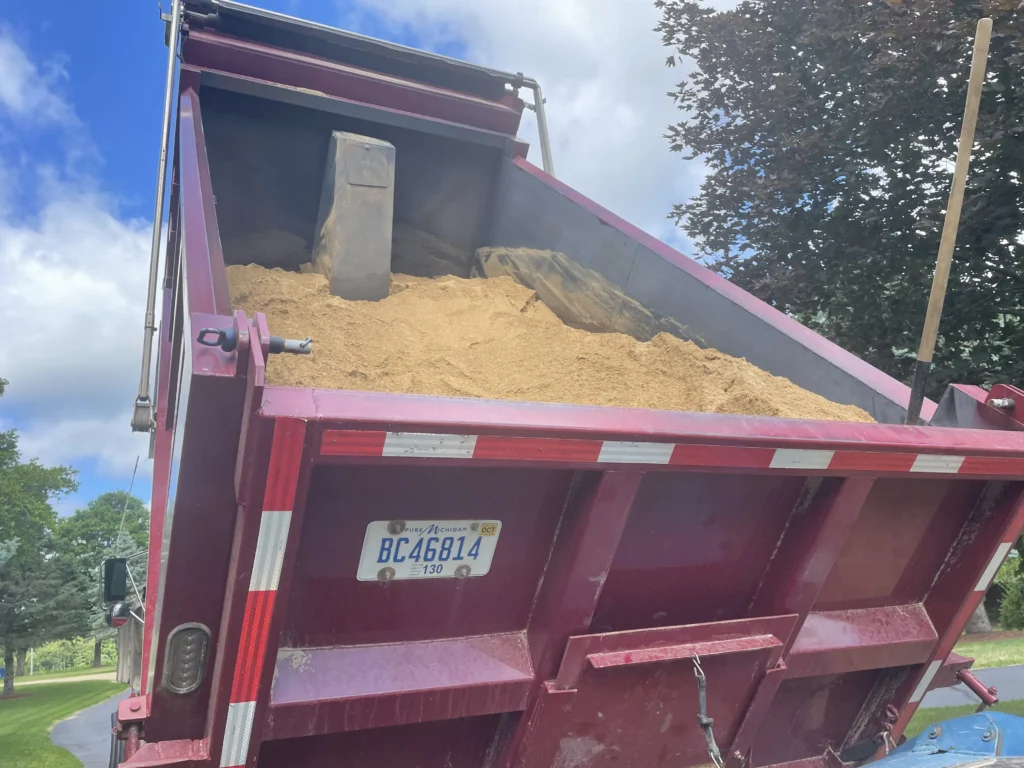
(87, 734)
(1009, 681)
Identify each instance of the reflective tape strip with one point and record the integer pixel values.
(922, 687)
(615, 452)
(868, 461)
(788, 458)
(993, 565)
(252, 645)
(425, 446)
(271, 541)
(503, 448)
(992, 465)
(266, 568)
(349, 442)
(237, 733)
(937, 463)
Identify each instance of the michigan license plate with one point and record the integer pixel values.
(427, 549)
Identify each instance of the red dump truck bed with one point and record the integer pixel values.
(577, 565)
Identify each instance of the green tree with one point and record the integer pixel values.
(115, 524)
(828, 129)
(38, 590)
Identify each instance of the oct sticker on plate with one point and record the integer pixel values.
(427, 549)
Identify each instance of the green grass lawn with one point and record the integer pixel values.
(993, 653)
(25, 722)
(69, 673)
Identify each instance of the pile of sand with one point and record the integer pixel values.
(492, 338)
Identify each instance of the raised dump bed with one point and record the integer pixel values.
(375, 580)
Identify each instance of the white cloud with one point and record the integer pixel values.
(602, 68)
(73, 276)
(72, 290)
(28, 91)
(108, 440)
(72, 293)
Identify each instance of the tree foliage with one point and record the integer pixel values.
(72, 653)
(829, 128)
(40, 594)
(115, 524)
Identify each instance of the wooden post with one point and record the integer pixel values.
(948, 241)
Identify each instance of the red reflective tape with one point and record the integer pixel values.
(721, 456)
(346, 442)
(991, 465)
(252, 645)
(536, 449)
(283, 472)
(872, 462)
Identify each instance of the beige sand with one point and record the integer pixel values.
(492, 338)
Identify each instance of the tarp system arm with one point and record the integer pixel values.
(142, 417)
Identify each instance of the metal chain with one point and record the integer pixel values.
(706, 723)
(888, 721)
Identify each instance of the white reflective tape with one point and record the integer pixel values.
(922, 687)
(616, 452)
(237, 732)
(266, 567)
(993, 566)
(939, 463)
(792, 458)
(429, 446)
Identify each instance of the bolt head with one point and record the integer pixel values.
(134, 706)
(988, 735)
(462, 572)
(395, 527)
(384, 575)
(934, 732)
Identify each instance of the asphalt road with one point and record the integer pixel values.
(87, 734)
(1009, 681)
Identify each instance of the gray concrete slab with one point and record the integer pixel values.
(1009, 681)
(86, 735)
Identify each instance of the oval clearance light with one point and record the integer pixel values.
(185, 661)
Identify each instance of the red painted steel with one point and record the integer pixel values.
(949, 673)
(266, 534)
(611, 659)
(181, 754)
(835, 642)
(216, 52)
(374, 411)
(528, 502)
(374, 686)
(1005, 391)
(987, 693)
(403, 445)
(821, 571)
(131, 742)
(612, 715)
(207, 283)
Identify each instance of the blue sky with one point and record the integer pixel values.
(81, 92)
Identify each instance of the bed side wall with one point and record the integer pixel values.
(534, 211)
